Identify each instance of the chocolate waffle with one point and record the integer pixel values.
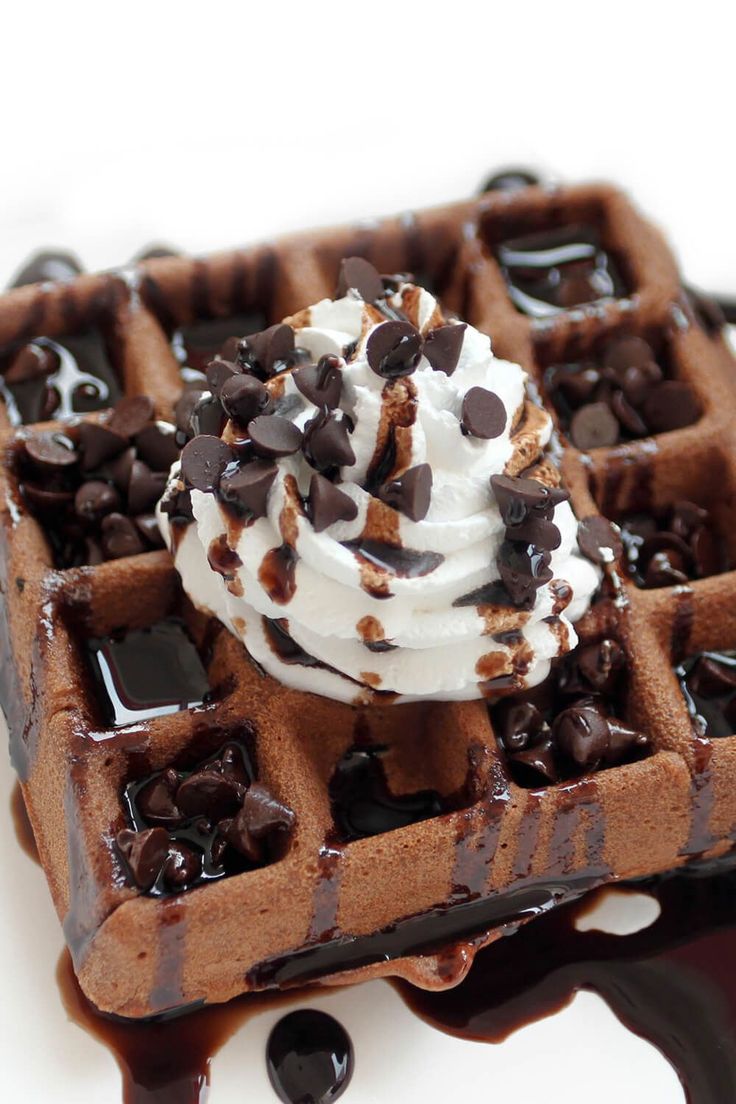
(477, 845)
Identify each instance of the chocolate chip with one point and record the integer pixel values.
(708, 557)
(177, 505)
(510, 180)
(327, 442)
(244, 398)
(626, 351)
(483, 414)
(540, 759)
(238, 834)
(623, 741)
(394, 349)
(520, 724)
(203, 460)
(442, 347)
(232, 763)
(120, 537)
(671, 405)
(357, 274)
(627, 415)
(157, 446)
(523, 569)
(95, 499)
(247, 487)
(582, 734)
(665, 569)
(411, 493)
(29, 363)
(267, 352)
(686, 518)
(130, 415)
(208, 417)
(145, 487)
(264, 813)
(219, 371)
(711, 679)
(147, 526)
(184, 409)
(594, 426)
(156, 800)
(273, 436)
(601, 664)
(120, 468)
(599, 540)
(328, 504)
(321, 383)
(99, 443)
(537, 531)
(145, 853)
(210, 794)
(519, 498)
(51, 450)
(182, 867)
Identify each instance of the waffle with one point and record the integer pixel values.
(418, 901)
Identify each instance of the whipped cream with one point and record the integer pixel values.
(382, 604)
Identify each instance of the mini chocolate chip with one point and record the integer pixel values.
(534, 530)
(708, 557)
(98, 443)
(244, 398)
(328, 504)
(483, 414)
(357, 274)
(208, 417)
(666, 569)
(710, 679)
(670, 405)
(130, 415)
(30, 363)
(686, 518)
(182, 867)
(267, 352)
(147, 526)
(237, 833)
(627, 415)
(520, 724)
(518, 498)
(321, 383)
(599, 540)
(145, 487)
(246, 488)
(523, 569)
(209, 793)
(219, 371)
(594, 426)
(411, 493)
(95, 499)
(273, 436)
(264, 813)
(327, 442)
(540, 758)
(626, 351)
(394, 349)
(145, 853)
(233, 764)
(623, 741)
(120, 537)
(120, 468)
(184, 409)
(157, 446)
(177, 505)
(51, 450)
(156, 800)
(510, 180)
(203, 460)
(582, 734)
(601, 664)
(662, 541)
(442, 347)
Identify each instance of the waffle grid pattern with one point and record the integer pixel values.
(137, 955)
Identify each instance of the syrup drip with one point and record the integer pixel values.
(277, 574)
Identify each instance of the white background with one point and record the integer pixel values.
(211, 124)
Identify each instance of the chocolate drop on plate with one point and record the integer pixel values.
(309, 1058)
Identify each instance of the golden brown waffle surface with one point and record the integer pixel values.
(451, 881)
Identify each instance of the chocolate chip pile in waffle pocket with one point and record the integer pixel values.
(482, 839)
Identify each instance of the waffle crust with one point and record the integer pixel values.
(416, 902)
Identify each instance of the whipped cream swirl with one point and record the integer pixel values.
(388, 601)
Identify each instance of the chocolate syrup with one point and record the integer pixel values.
(309, 1058)
(277, 574)
(144, 673)
(62, 377)
(674, 983)
(362, 803)
(404, 563)
(195, 345)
